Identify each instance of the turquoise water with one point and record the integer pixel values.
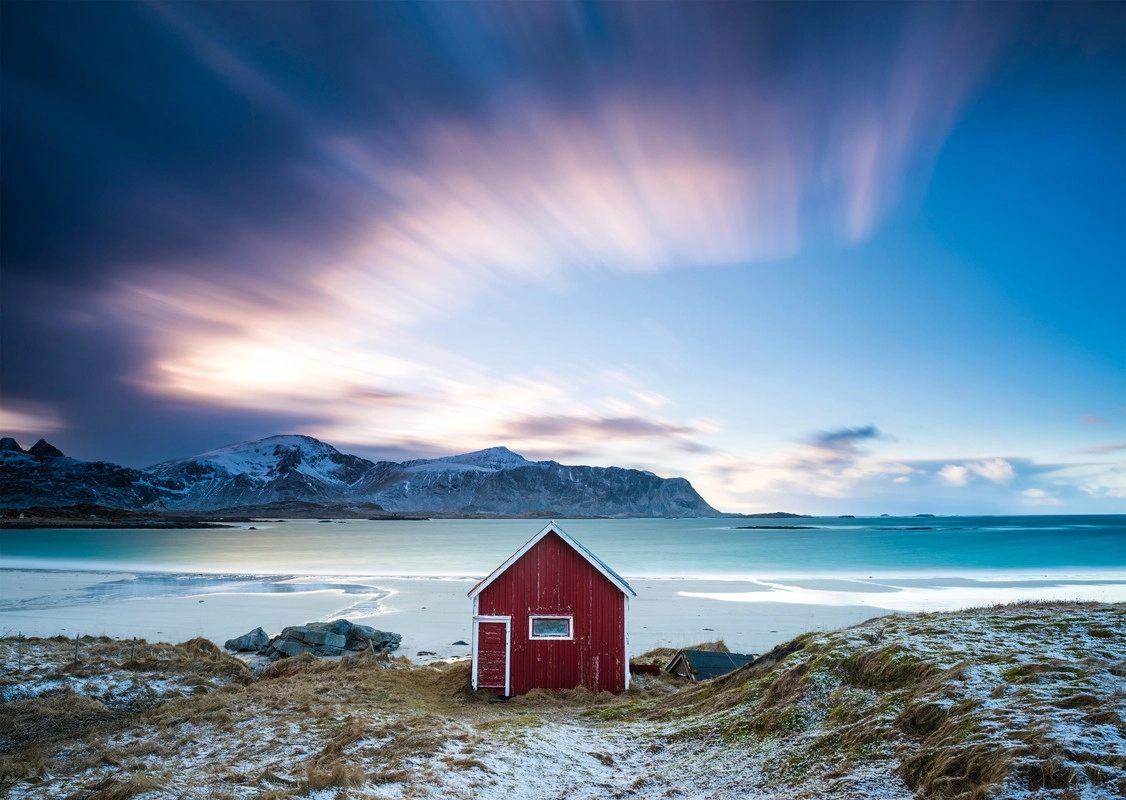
(676, 548)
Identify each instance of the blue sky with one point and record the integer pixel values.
(828, 258)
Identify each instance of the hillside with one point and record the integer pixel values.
(302, 470)
(1022, 701)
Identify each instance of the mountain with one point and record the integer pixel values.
(275, 469)
(498, 481)
(39, 477)
(301, 469)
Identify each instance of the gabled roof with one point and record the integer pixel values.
(703, 665)
(576, 545)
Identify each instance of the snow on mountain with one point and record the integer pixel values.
(303, 469)
(275, 469)
(488, 460)
(274, 456)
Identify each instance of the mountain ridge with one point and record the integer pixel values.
(301, 469)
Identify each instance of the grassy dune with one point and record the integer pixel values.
(1026, 700)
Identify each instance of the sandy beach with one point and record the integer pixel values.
(432, 614)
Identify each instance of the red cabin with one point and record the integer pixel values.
(553, 616)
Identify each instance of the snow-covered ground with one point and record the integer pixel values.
(1021, 701)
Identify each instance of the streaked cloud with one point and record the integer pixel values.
(280, 229)
(1104, 449)
(598, 427)
(29, 419)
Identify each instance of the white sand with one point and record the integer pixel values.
(431, 614)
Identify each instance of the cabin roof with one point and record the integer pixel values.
(576, 545)
(703, 665)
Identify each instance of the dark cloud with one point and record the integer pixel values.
(840, 446)
(845, 438)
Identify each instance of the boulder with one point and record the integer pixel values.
(249, 642)
(326, 639)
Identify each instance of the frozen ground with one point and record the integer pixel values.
(1022, 701)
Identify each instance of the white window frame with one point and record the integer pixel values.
(570, 628)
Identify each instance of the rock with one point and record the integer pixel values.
(42, 449)
(10, 444)
(287, 648)
(327, 639)
(249, 642)
(460, 643)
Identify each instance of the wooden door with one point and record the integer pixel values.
(492, 649)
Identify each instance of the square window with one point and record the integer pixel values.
(551, 628)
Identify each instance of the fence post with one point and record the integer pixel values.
(76, 637)
(19, 652)
(133, 652)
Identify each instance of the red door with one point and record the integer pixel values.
(491, 652)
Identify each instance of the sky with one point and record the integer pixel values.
(828, 258)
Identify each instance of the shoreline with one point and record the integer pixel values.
(432, 613)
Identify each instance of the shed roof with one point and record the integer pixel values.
(703, 665)
(575, 544)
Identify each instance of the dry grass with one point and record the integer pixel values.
(893, 695)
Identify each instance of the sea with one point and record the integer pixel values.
(908, 564)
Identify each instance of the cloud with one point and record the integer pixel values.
(1040, 497)
(997, 470)
(954, 475)
(841, 446)
(30, 420)
(1094, 419)
(1103, 449)
(597, 427)
(845, 438)
(831, 464)
(268, 247)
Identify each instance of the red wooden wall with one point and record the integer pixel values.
(553, 579)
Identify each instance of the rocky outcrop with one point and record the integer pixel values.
(11, 445)
(327, 639)
(251, 642)
(43, 449)
(43, 476)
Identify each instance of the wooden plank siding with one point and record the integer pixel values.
(552, 579)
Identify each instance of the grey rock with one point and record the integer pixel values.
(327, 639)
(288, 648)
(249, 642)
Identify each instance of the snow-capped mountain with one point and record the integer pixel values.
(274, 469)
(304, 469)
